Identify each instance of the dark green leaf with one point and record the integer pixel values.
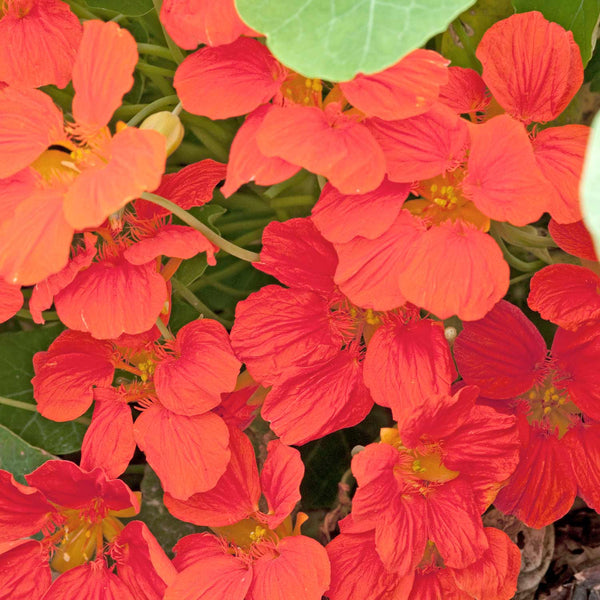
(461, 39)
(166, 528)
(16, 353)
(129, 8)
(580, 16)
(336, 40)
(17, 456)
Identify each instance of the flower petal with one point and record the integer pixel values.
(405, 89)
(173, 442)
(235, 496)
(340, 217)
(112, 297)
(108, 442)
(192, 381)
(235, 79)
(455, 269)
(248, 163)
(11, 300)
(135, 163)
(310, 402)
(38, 47)
(502, 365)
(423, 146)
(406, 363)
(103, 72)
(326, 142)
(532, 66)
(29, 123)
(502, 170)
(66, 374)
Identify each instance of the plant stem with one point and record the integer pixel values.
(195, 302)
(176, 53)
(154, 50)
(152, 108)
(33, 408)
(48, 315)
(164, 331)
(208, 233)
(154, 70)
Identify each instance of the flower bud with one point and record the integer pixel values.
(169, 125)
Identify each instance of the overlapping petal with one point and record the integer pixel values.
(234, 78)
(406, 89)
(326, 142)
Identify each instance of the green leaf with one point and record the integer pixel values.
(590, 184)
(461, 39)
(16, 354)
(166, 528)
(336, 40)
(18, 457)
(129, 8)
(580, 16)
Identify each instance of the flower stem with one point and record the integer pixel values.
(164, 331)
(33, 408)
(152, 108)
(208, 233)
(195, 302)
(154, 50)
(176, 53)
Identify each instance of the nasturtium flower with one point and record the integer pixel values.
(117, 284)
(555, 397)
(75, 510)
(357, 571)
(175, 384)
(309, 342)
(66, 177)
(433, 251)
(431, 479)
(39, 42)
(11, 300)
(257, 555)
(573, 238)
(301, 127)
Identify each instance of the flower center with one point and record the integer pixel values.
(551, 407)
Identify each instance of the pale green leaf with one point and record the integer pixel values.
(336, 39)
(590, 184)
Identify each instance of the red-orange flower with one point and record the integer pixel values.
(87, 174)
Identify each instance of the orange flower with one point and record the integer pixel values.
(63, 178)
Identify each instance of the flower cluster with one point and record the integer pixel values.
(425, 173)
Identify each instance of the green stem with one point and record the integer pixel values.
(148, 69)
(467, 44)
(208, 233)
(151, 109)
(176, 53)
(33, 408)
(523, 237)
(154, 50)
(520, 278)
(195, 302)
(164, 331)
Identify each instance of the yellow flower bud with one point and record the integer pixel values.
(169, 125)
